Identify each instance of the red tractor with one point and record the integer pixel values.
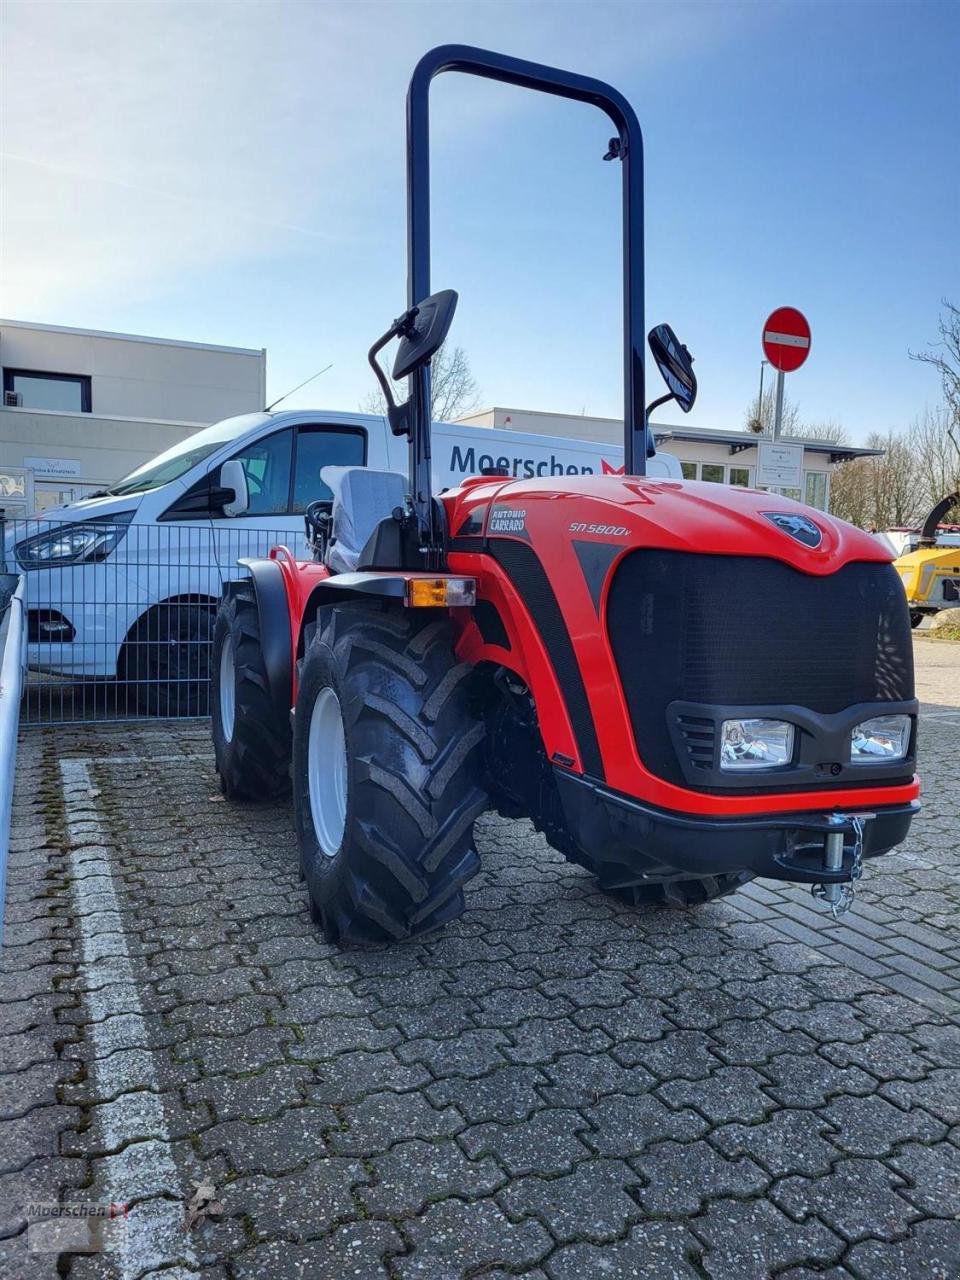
(682, 685)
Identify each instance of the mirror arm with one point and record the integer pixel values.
(218, 497)
(398, 415)
(655, 404)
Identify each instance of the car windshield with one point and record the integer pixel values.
(176, 462)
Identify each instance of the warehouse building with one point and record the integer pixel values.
(704, 453)
(82, 408)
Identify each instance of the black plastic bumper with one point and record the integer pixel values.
(786, 846)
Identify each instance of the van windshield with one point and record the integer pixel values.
(176, 462)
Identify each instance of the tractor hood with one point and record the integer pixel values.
(710, 519)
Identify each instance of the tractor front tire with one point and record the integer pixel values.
(251, 741)
(916, 617)
(387, 779)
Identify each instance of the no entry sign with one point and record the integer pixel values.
(786, 339)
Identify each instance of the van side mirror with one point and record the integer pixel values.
(675, 364)
(233, 479)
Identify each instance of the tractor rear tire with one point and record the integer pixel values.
(387, 773)
(251, 741)
(621, 878)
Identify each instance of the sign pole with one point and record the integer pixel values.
(778, 415)
(786, 344)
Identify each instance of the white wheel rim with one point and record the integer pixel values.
(228, 691)
(327, 772)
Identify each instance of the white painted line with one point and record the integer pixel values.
(154, 1234)
(786, 339)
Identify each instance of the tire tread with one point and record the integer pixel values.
(255, 765)
(417, 775)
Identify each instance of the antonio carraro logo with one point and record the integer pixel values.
(798, 527)
(512, 520)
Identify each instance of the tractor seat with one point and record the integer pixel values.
(362, 498)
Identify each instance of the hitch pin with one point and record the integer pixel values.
(833, 859)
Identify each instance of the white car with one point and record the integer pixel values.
(124, 584)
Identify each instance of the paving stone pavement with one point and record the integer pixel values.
(555, 1087)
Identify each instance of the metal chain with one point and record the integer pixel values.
(848, 891)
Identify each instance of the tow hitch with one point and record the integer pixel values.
(838, 893)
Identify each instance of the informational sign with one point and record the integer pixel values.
(55, 468)
(786, 339)
(779, 465)
(16, 492)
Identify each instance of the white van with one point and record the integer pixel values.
(124, 584)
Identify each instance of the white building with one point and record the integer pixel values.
(724, 457)
(82, 408)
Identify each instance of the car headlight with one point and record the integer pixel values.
(71, 544)
(880, 738)
(755, 744)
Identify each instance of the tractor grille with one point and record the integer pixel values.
(743, 630)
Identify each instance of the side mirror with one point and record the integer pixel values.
(234, 478)
(675, 364)
(424, 332)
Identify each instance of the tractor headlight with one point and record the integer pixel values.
(881, 738)
(70, 544)
(755, 744)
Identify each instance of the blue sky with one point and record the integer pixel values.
(234, 173)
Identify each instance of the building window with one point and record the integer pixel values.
(688, 470)
(816, 489)
(741, 476)
(59, 392)
(712, 471)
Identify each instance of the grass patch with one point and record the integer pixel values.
(951, 632)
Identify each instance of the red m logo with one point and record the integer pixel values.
(607, 470)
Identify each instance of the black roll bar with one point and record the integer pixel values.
(626, 147)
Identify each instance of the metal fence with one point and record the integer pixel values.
(120, 616)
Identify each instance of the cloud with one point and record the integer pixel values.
(142, 142)
(139, 140)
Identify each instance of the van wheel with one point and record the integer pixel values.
(386, 774)
(251, 742)
(166, 660)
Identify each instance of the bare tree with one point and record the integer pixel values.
(934, 441)
(896, 486)
(851, 492)
(913, 471)
(945, 357)
(830, 432)
(760, 413)
(453, 388)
